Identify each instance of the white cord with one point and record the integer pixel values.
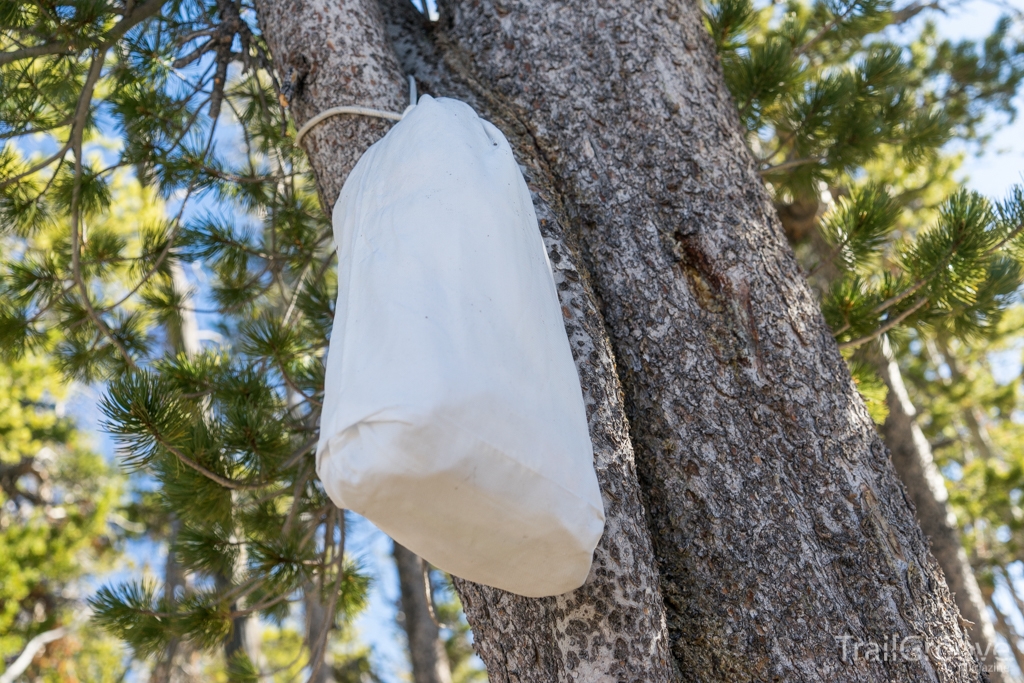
(358, 111)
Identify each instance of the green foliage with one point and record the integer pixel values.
(56, 502)
(973, 423)
(838, 116)
(872, 389)
(165, 158)
(857, 227)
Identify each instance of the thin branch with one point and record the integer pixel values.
(1003, 242)
(886, 327)
(910, 11)
(833, 23)
(293, 509)
(303, 449)
(138, 15)
(299, 282)
(260, 606)
(44, 128)
(892, 301)
(32, 648)
(35, 51)
(59, 154)
(295, 387)
(141, 13)
(171, 236)
(787, 165)
(227, 483)
(51, 304)
(76, 260)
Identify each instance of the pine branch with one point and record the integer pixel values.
(300, 282)
(1006, 240)
(170, 238)
(35, 51)
(790, 165)
(226, 482)
(293, 509)
(133, 18)
(886, 327)
(295, 387)
(824, 30)
(904, 15)
(302, 450)
(59, 154)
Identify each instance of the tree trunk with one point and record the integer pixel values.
(614, 627)
(164, 667)
(912, 458)
(244, 639)
(780, 529)
(426, 651)
(182, 331)
(316, 622)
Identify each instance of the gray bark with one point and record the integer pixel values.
(316, 622)
(613, 628)
(426, 650)
(912, 458)
(777, 521)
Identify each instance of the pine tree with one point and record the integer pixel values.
(226, 433)
(182, 86)
(57, 503)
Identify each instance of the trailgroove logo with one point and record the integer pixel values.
(912, 648)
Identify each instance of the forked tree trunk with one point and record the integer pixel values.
(426, 651)
(780, 532)
(614, 627)
(912, 458)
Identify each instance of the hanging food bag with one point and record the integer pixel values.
(453, 417)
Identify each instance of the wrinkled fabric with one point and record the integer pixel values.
(453, 417)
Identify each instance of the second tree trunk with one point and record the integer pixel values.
(426, 651)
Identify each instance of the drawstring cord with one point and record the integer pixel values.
(358, 111)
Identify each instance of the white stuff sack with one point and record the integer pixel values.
(453, 417)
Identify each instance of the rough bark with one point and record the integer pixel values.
(912, 458)
(426, 650)
(613, 628)
(777, 520)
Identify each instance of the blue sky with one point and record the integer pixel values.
(1002, 164)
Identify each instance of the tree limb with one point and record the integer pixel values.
(76, 258)
(32, 648)
(886, 327)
